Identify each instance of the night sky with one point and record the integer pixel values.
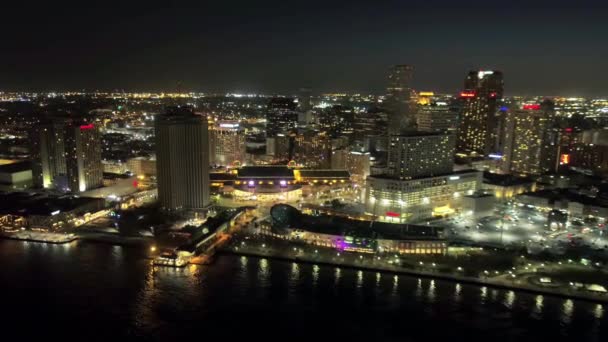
(550, 48)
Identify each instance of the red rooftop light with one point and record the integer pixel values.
(467, 94)
(531, 106)
(85, 127)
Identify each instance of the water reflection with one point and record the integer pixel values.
(315, 275)
(457, 292)
(378, 276)
(509, 299)
(295, 273)
(567, 310)
(599, 311)
(431, 291)
(538, 307)
(337, 276)
(243, 263)
(419, 288)
(484, 294)
(359, 279)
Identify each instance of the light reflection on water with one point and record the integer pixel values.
(458, 293)
(598, 312)
(538, 306)
(151, 298)
(567, 310)
(509, 299)
(431, 291)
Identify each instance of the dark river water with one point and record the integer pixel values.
(87, 291)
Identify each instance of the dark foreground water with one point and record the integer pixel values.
(102, 292)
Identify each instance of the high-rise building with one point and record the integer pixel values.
(312, 149)
(182, 159)
(280, 146)
(420, 154)
(357, 163)
(83, 155)
(47, 151)
(281, 116)
(400, 99)
(531, 140)
(227, 143)
(67, 149)
(437, 117)
(304, 99)
(478, 122)
(337, 120)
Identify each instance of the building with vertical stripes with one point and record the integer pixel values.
(182, 159)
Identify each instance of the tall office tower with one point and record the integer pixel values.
(313, 149)
(304, 99)
(400, 99)
(47, 151)
(281, 116)
(83, 155)
(226, 143)
(420, 154)
(182, 159)
(437, 117)
(531, 140)
(478, 122)
(337, 120)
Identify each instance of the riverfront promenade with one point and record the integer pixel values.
(522, 278)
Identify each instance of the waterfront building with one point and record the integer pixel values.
(404, 200)
(182, 154)
(47, 151)
(83, 155)
(67, 148)
(346, 234)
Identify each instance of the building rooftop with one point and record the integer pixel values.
(569, 195)
(285, 216)
(324, 173)
(16, 167)
(453, 173)
(25, 204)
(421, 134)
(265, 172)
(505, 180)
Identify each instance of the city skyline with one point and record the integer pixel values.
(349, 47)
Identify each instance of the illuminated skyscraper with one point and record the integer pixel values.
(66, 148)
(281, 116)
(531, 140)
(47, 151)
(182, 159)
(437, 117)
(400, 99)
(420, 154)
(478, 121)
(227, 143)
(83, 155)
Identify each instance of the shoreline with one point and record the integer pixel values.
(429, 275)
(38, 239)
